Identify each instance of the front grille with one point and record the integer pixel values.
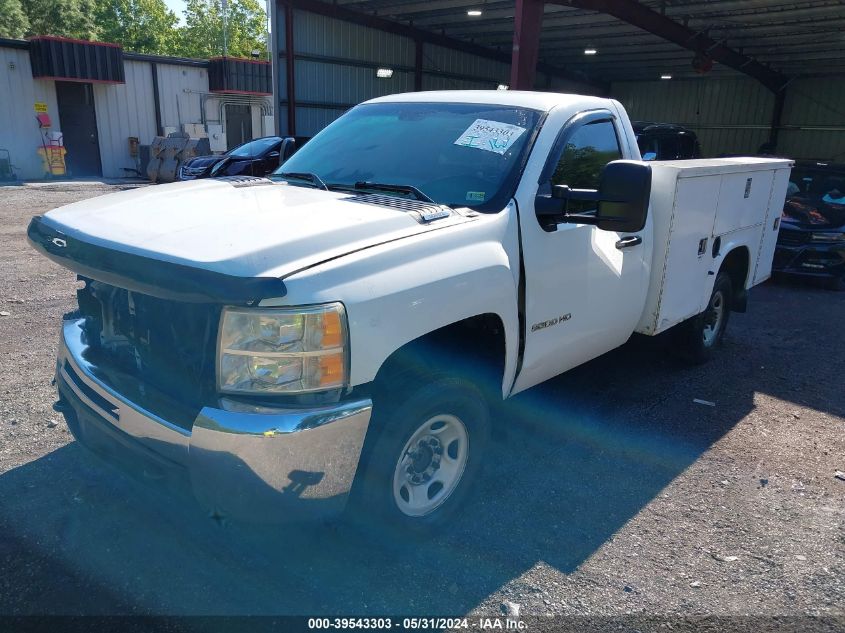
(170, 345)
(192, 171)
(788, 237)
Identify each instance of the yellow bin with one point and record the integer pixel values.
(53, 159)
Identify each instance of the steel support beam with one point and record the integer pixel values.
(777, 119)
(275, 56)
(641, 16)
(418, 65)
(528, 20)
(290, 60)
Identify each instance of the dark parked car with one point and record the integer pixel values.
(665, 141)
(258, 157)
(811, 241)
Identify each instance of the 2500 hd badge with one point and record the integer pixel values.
(544, 324)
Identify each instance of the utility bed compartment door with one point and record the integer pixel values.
(688, 257)
(771, 225)
(742, 198)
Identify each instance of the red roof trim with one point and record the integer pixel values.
(72, 40)
(80, 81)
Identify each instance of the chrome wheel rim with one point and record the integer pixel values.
(430, 465)
(714, 318)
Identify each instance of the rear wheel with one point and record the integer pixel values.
(697, 337)
(429, 445)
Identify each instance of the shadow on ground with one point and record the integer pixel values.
(582, 455)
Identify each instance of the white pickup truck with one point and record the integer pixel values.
(339, 331)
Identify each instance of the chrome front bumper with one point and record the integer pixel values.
(250, 463)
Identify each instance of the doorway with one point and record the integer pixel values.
(238, 125)
(78, 120)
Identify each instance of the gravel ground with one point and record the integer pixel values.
(613, 492)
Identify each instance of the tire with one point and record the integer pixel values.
(428, 445)
(696, 338)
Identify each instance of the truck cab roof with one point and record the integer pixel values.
(542, 101)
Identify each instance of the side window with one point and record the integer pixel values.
(648, 147)
(585, 154)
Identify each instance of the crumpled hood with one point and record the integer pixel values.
(240, 229)
(813, 213)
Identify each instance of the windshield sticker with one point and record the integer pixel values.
(491, 136)
(476, 196)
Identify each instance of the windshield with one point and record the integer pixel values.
(457, 154)
(254, 148)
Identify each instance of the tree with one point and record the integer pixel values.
(202, 35)
(13, 20)
(142, 26)
(68, 18)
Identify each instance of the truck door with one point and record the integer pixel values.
(584, 288)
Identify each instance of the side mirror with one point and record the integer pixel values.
(622, 199)
(624, 191)
(287, 149)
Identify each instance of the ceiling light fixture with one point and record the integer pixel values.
(384, 73)
(590, 51)
(474, 12)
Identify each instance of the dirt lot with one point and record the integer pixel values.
(613, 493)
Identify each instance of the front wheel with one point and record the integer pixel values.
(429, 445)
(697, 337)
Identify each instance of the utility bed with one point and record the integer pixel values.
(699, 208)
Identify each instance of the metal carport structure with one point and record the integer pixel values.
(541, 45)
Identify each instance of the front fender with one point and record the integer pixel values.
(396, 292)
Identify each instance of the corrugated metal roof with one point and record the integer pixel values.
(793, 37)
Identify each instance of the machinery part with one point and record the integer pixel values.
(7, 171)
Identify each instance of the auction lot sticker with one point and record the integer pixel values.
(491, 136)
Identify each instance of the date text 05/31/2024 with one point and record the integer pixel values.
(413, 624)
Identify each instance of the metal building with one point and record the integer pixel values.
(104, 104)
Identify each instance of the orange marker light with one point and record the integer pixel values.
(332, 332)
(331, 370)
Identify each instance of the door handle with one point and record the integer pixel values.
(627, 242)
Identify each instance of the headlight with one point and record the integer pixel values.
(827, 237)
(282, 350)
